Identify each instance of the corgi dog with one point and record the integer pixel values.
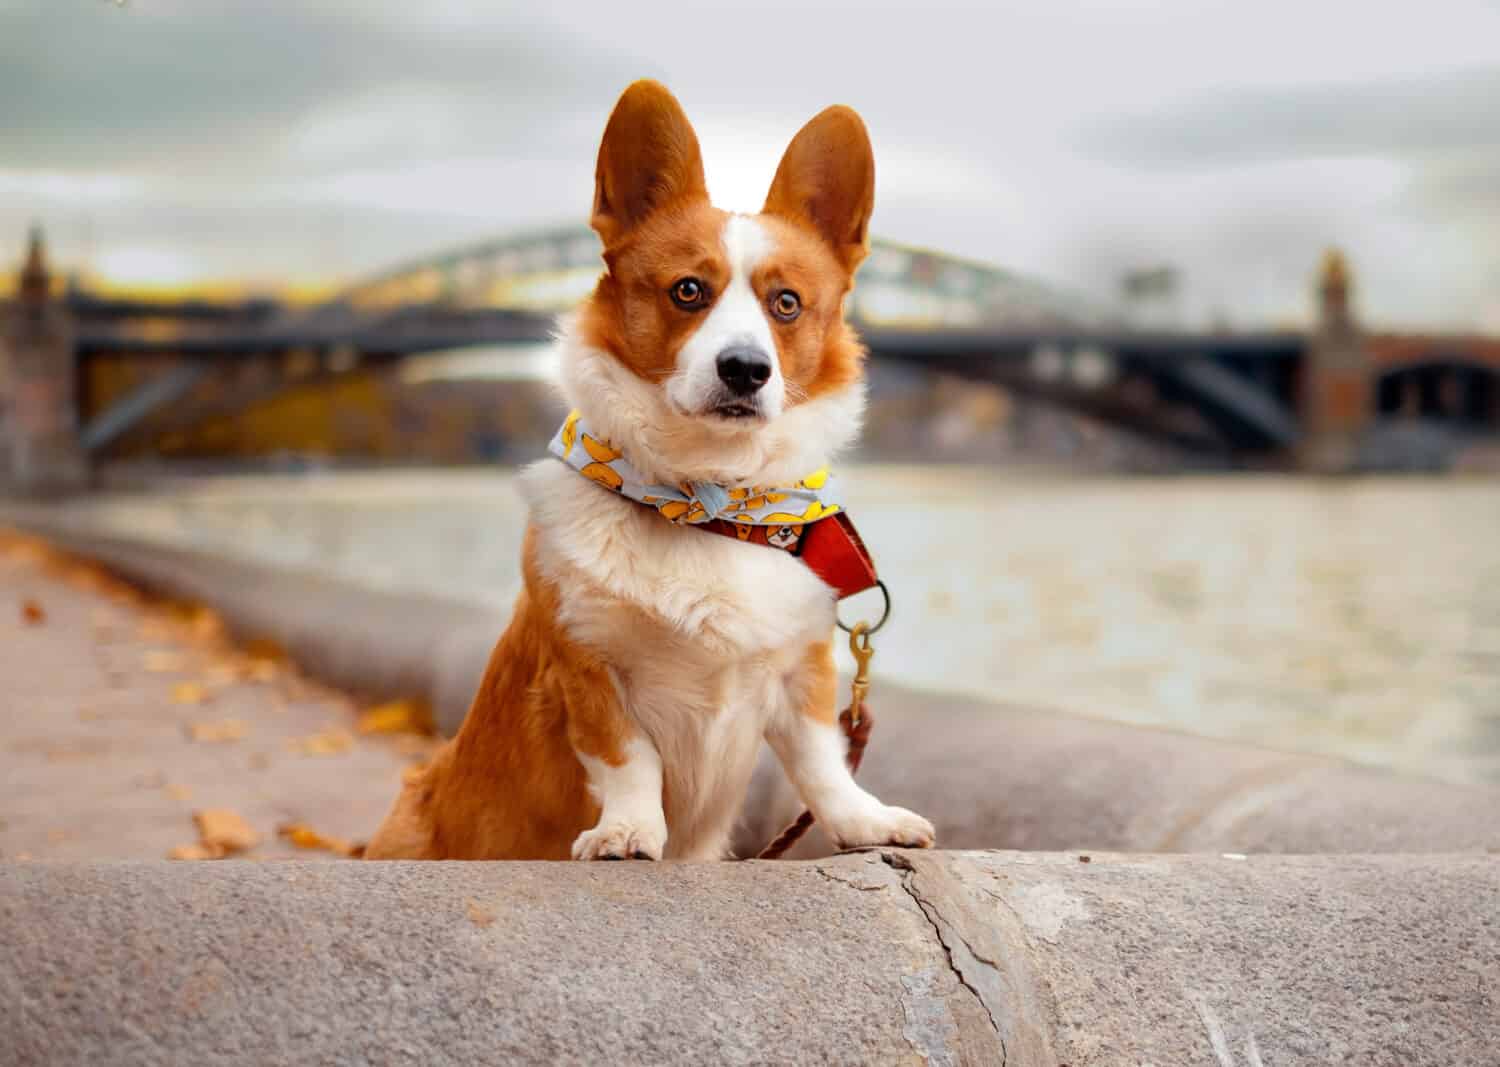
(622, 711)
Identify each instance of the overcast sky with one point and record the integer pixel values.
(169, 140)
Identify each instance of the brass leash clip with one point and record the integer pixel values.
(860, 647)
(863, 652)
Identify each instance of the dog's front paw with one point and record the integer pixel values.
(883, 825)
(620, 841)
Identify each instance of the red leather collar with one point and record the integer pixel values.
(831, 548)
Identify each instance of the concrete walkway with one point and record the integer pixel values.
(989, 776)
(940, 958)
(123, 716)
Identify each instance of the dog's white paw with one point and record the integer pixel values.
(882, 825)
(620, 841)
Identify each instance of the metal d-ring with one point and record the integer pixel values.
(884, 615)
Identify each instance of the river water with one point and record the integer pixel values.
(1357, 618)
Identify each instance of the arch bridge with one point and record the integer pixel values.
(1261, 397)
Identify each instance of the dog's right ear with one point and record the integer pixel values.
(649, 158)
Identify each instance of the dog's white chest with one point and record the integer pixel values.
(706, 595)
(708, 733)
(706, 636)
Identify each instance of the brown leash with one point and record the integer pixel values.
(856, 721)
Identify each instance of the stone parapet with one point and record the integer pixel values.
(881, 957)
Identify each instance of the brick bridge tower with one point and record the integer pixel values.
(39, 446)
(1337, 389)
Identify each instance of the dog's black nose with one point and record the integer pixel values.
(744, 369)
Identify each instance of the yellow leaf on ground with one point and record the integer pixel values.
(189, 693)
(300, 835)
(330, 742)
(218, 732)
(224, 829)
(193, 852)
(32, 612)
(397, 717)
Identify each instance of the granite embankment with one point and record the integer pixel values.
(1111, 947)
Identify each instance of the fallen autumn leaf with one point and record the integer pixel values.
(330, 742)
(300, 835)
(193, 852)
(225, 829)
(189, 693)
(218, 732)
(397, 717)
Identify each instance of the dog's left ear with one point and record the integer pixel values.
(826, 180)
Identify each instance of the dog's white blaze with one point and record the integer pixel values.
(737, 317)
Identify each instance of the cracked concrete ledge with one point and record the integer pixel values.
(1378, 960)
(987, 775)
(881, 957)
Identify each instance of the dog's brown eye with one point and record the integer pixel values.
(786, 305)
(689, 293)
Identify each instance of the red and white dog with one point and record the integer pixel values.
(623, 709)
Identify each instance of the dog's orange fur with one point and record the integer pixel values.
(510, 786)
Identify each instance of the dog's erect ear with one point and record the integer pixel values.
(649, 158)
(826, 180)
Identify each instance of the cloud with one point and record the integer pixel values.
(1403, 172)
(265, 140)
(1071, 140)
(1466, 186)
(1412, 116)
(255, 233)
(219, 86)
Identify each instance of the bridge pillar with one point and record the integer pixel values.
(40, 450)
(1336, 396)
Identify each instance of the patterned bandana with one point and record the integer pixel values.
(783, 510)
